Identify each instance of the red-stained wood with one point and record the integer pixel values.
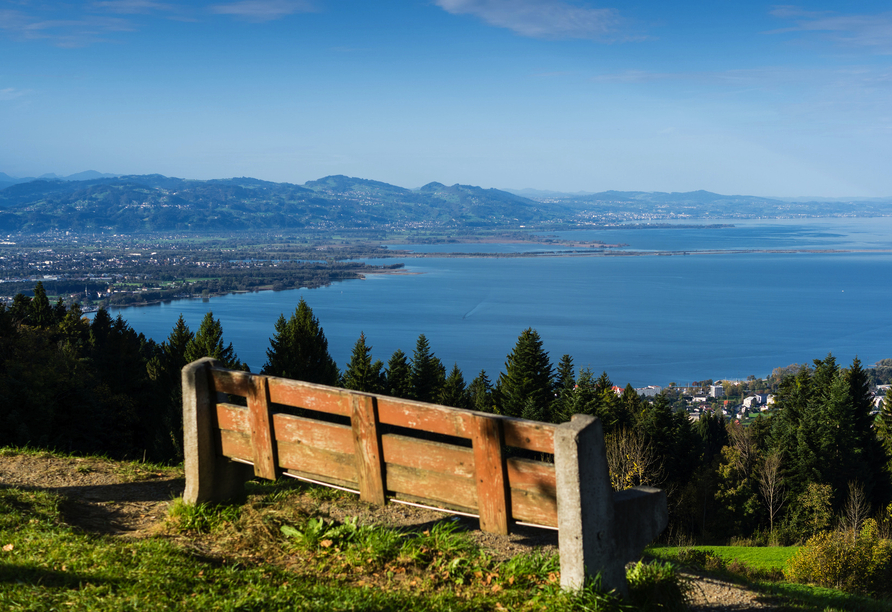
(310, 396)
(529, 475)
(429, 456)
(435, 487)
(426, 417)
(231, 381)
(489, 469)
(528, 507)
(317, 434)
(233, 418)
(262, 439)
(235, 445)
(367, 442)
(321, 464)
(530, 435)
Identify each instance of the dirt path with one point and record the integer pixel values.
(126, 500)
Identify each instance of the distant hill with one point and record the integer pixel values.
(153, 202)
(159, 203)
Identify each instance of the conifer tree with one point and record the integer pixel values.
(40, 312)
(299, 349)
(165, 370)
(398, 376)
(528, 374)
(453, 392)
(362, 374)
(565, 386)
(480, 392)
(428, 372)
(208, 342)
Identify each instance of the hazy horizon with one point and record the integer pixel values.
(561, 95)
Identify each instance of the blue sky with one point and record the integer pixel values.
(737, 98)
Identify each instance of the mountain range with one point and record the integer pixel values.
(92, 202)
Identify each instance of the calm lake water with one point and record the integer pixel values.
(644, 320)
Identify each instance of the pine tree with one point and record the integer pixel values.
(565, 385)
(362, 374)
(208, 342)
(527, 376)
(40, 312)
(428, 372)
(398, 377)
(165, 370)
(454, 392)
(480, 392)
(299, 349)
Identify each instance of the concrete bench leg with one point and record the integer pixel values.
(209, 478)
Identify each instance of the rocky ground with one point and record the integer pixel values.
(129, 500)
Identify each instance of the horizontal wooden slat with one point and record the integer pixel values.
(433, 486)
(234, 418)
(318, 434)
(310, 396)
(535, 476)
(528, 507)
(425, 417)
(231, 381)
(530, 435)
(317, 461)
(430, 456)
(236, 445)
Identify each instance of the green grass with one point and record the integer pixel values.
(765, 559)
(758, 557)
(45, 564)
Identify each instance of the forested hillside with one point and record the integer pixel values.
(101, 387)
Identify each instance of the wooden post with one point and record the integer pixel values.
(489, 470)
(263, 442)
(367, 442)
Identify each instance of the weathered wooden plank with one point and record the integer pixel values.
(231, 381)
(426, 455)
(432, 487)
(530, 435)
(489, 473)
(367, 441)
(531, 475)
(318, 434)
(425, 417)
(325, 480)
(233, 418)
(310, 396)
(320, 463)
(529, 507)
(439, 505)
(262, 440)
(235, 445)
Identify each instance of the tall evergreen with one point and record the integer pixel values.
(565, 385)
(428, 372)
(480, 392)
(40, 312)
(208, 342)
(527, 378)
(362, 374)
(165, 370)
(453, 393)
(299, 349)
(398, 376)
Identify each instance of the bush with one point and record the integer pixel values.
(707, 559)
(657, 586)
(835, 559)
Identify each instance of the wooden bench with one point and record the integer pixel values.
(389, 449)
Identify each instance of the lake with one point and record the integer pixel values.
(645, 319)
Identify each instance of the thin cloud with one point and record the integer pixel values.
(11, 93)
(549, 19)
(871, 31)
(132, 7)
(264, 10)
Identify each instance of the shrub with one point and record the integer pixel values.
(657, 586)
(835, 559)
(705, 558)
